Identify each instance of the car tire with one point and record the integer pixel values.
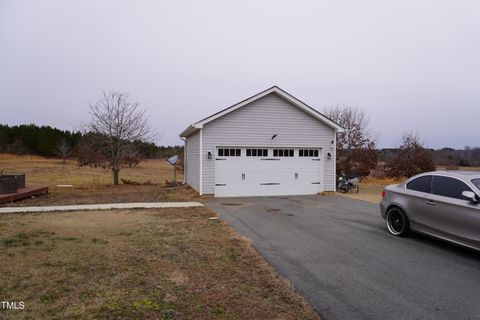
(397, 222)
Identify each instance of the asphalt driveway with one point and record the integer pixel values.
(337, 252)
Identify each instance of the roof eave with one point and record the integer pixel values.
(189, 131)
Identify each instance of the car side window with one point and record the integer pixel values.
(476, 182)
(421, 184)
(449, 187)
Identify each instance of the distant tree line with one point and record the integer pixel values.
(445, 157)
(52, 142)
(358, 155)
(35, 140)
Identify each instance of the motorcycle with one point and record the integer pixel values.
(346, 184)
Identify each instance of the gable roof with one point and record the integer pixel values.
(283, 94)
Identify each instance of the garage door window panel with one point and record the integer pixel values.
(311, 153)
(257, 152)
(224, 152)
(283, 152)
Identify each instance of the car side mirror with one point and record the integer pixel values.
(469, 195)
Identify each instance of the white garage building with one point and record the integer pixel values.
(269, 144)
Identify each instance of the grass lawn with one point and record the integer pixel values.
(94, 185)
(51, 171)
(137, 264)
(130, 264)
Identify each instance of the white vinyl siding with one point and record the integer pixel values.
(254, 125)
(192, 166)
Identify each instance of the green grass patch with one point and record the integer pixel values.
(20, 239)
(218, 312)
(99, 241)
(49, 297)
(69, 239)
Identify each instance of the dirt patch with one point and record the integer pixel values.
(138, 264)
(178, 277)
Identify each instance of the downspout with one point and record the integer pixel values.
(334, 153)
(184, 159)
(201, 162)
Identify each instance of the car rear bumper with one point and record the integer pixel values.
(383, 208)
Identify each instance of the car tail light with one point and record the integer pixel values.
(384, 193)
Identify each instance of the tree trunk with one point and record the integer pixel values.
(115, 176)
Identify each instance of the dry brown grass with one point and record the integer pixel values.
(94, 185)
(138, 264)
(111, 194)
(51, 172)
(370, 189)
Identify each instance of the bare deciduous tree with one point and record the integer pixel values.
(63, 149)
(410, 159)
(116, 123)
(356, 146)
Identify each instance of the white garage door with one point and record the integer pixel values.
(267, 171)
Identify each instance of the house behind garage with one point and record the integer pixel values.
(269, 144)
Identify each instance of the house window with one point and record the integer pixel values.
(308, 153)
(257, 152)
(224, 152)
(283, 152)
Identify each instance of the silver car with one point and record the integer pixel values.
(443, 204)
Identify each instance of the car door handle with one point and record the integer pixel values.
(430, 202)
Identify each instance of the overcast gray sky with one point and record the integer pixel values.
(412, 65)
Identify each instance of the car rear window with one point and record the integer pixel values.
(449, 187)
(421, 184)
(476, 182)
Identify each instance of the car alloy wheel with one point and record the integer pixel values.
(397, 222)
